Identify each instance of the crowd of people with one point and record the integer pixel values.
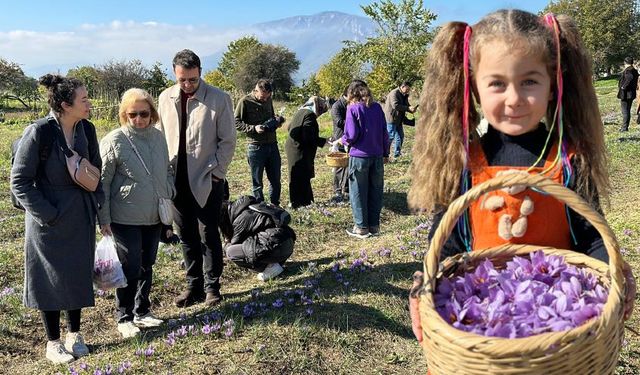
(181, 151)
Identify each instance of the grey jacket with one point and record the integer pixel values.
(60, 219)
(131, 193)
(395, 107)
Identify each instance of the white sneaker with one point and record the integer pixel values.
(147, 320)
(128, 329)
(271, 271)
(75, 344)
(56, 352)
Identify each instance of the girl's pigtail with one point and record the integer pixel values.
(582, 122)
(439, 153)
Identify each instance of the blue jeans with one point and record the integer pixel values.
(263, 157)
(396, 132)
(366, 181)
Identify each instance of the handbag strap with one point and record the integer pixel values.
(135, 149)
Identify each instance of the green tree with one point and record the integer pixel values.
(335, 75)
(276, 63)
(216, 78)
(609, 28)
(156, 79)
(235, 52)
(89, 75)
(14, 84)
(403, 37)
(309, 87)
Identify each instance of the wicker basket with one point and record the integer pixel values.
(591, 348)
(337, 159)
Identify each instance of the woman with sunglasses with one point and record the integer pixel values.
(136, 173)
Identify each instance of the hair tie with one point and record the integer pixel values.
(466, 95)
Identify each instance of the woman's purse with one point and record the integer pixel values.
(165, 205)
(82, 172)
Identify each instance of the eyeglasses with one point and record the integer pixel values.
(143, 114)
(192, 81)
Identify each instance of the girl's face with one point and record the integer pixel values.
(514, 88)
(139, 114)
(81, 106)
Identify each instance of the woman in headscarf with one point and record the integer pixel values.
(302, 142)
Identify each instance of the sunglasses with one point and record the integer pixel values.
(192, 81)
(143, 114)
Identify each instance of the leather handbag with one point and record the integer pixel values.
(165, 205)
(82, 172)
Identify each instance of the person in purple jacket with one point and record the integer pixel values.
(366, 136)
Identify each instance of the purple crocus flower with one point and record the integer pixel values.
(278, 303)
(206, 329)
(527, 297)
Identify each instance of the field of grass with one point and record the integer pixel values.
(340, 307)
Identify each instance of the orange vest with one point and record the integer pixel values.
(543, 217)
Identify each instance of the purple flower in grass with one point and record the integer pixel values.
(182, 331)
(627, 232)
(216, 327)
(278, 303)
(309, 311)
(98, 372)
(171, 339)
(206, 329)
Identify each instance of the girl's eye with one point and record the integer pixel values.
(529, 82)
(496, 84)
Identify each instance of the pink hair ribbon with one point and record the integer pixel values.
(465, 101)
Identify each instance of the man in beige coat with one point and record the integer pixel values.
(197, 121)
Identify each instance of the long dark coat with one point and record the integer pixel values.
(302, 143)
(60, 222)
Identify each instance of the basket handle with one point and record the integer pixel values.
(563, 194)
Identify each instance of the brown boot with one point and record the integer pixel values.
(189, 297)
(213, 298)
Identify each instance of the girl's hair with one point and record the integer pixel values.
(136, 95)
(439, 150)
(60, 90)
(358, 91)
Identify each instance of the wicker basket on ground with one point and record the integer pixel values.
(337, 159)
(592, 348)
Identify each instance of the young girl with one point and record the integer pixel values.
(522, 69)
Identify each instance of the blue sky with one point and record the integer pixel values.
(45, 35)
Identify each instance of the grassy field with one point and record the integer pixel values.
(340, 307)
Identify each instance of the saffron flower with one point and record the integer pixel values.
(528, 297)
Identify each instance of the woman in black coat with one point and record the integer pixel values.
(301, 145)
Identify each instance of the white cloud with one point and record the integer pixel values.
(90, 44)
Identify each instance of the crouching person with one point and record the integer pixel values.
(257, 236)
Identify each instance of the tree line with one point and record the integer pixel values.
(404, 32)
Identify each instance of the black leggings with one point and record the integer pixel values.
(51, 320)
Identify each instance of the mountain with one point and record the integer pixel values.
(314, 39)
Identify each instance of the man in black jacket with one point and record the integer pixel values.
(341, 176)
(257, 236)
(627, 91)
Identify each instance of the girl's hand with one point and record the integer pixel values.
(416, 324)
(105, 229)
(630, 290)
